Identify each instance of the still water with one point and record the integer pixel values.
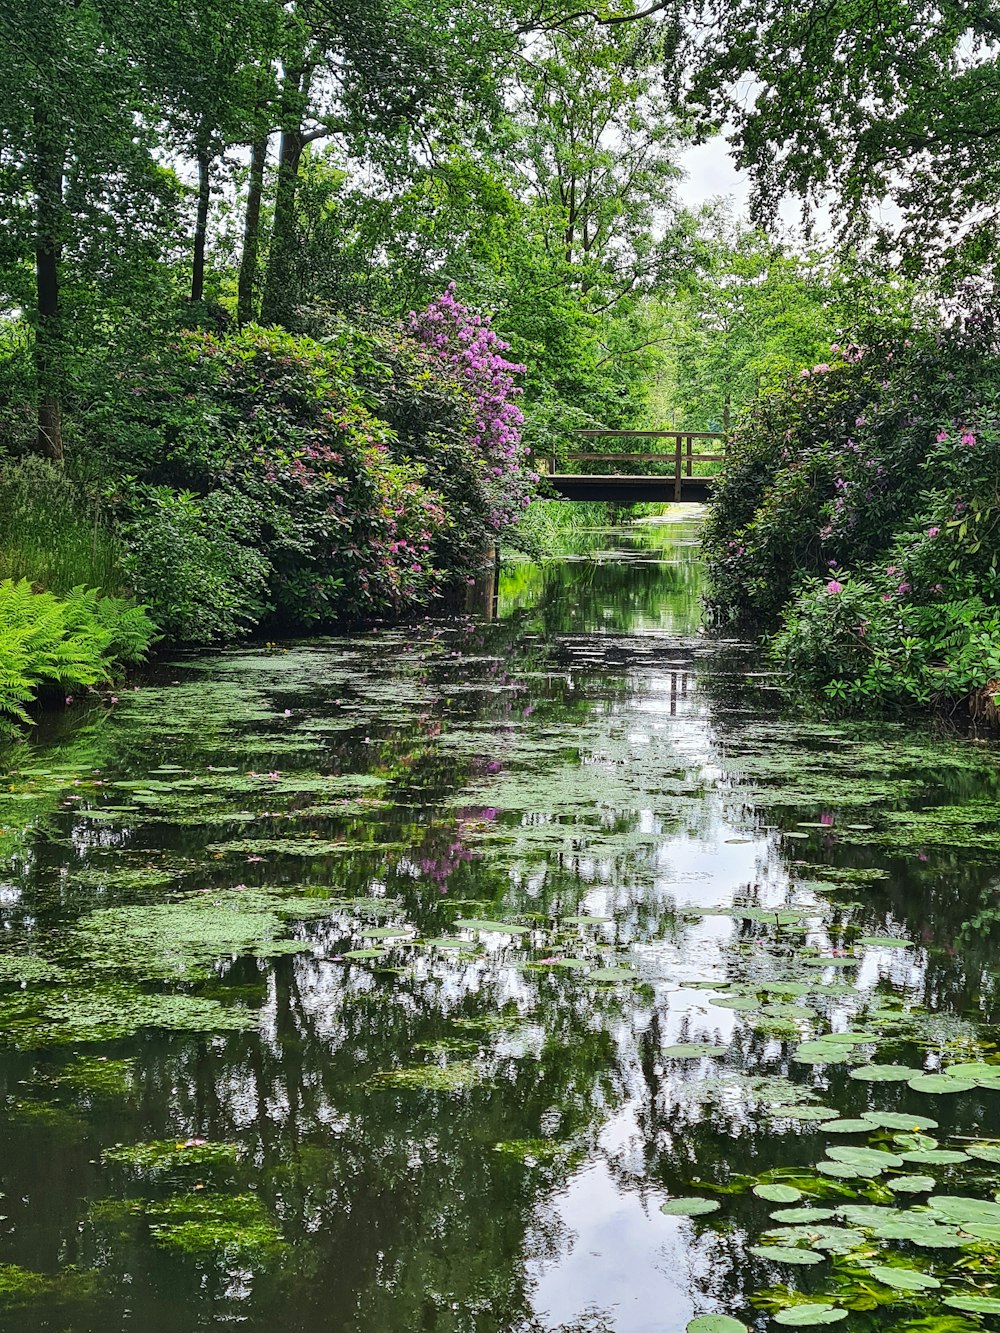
(398, 982)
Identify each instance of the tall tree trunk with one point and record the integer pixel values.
(47, 182)
(251, 232)
(201, 223)
(280, 287)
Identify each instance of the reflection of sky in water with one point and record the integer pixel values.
(590, 752)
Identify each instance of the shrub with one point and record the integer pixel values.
(71, 642)
(190, 558)
(258, 460)
(859, 518)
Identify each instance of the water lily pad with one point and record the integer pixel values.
(782, 1254)
(497, 927)
(911, 1184)
(883, 1074)
(898, 1120)
(864, 1157)
(984, 1232)
(976, 1069)
(940, 1083)
(904, 1279)
(974, 1304)
(984, 1152)
(715, 1323)
(611, 974)
(805, 1112)
(884, 942)
(357, 955)
(741, 1003)
(956, 1208)
(848, 1126)
(824, 1053)
(692, 1207)
(812, 1315)
(778, 1193)
(839, 1170)
(802, 1216)
(691, 1050)
(935, 1157)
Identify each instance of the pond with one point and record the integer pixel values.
(477, 977)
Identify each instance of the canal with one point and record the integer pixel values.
(512, 976)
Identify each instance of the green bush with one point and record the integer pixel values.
(191, 558)
(75, 641)
(858, 523)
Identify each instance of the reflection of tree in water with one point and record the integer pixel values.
(409, 1207)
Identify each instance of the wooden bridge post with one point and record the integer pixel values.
(690, 460)
(677, 471)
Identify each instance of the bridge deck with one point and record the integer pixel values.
(630, 490)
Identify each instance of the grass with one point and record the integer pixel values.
(51, 534)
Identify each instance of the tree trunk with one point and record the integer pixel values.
(280, 287)
(725, 412)
(251, 233)
(47, 182)
(201, 224)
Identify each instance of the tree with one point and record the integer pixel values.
(868, 101)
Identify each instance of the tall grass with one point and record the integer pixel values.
(51, 534)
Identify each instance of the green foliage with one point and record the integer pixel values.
(857, 516)
(70, 642)
(51, 534)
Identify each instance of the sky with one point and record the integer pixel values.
(710, 172)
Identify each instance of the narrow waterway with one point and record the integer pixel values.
(397, 982)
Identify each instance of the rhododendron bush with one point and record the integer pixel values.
(858, 523)
(317, 481)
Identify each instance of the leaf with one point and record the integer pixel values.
(839, 1170)
(824, 1053)
(481, 924)
(957, 1208)
(904, 1279)
(357, 954)
(611, 974)
(691, 1207)
(805, 1112)
(984, 1232)
(911, 1184)
(898, 1120)
(847, 1127)
(940, 1083)
(864, 1157)
(984, 1152)
(883, 1074)
(715, 1323)
(884, 942)
(781, 1254)
(778, 1193)
(802, 1216)
(690, 1050)
(935, 1157)
(974, 1304)
(809, 1316)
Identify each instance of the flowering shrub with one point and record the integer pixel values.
(859, 518)
(474, 353)
(268, 433)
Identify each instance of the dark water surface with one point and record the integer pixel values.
(396, 982)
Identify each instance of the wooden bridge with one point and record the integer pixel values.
(678, 484)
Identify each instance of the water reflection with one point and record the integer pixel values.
(361, 1114)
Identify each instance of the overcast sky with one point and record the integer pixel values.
(710, 172)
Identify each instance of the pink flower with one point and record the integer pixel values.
(967, 437)
(940, 437)
(933, 532)
(833, 587)
(903, 589)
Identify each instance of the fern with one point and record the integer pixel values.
(71, 642)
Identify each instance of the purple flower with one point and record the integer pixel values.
(933, 532)
(833, 587)
(967, 437)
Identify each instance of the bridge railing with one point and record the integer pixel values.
(682, 456)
